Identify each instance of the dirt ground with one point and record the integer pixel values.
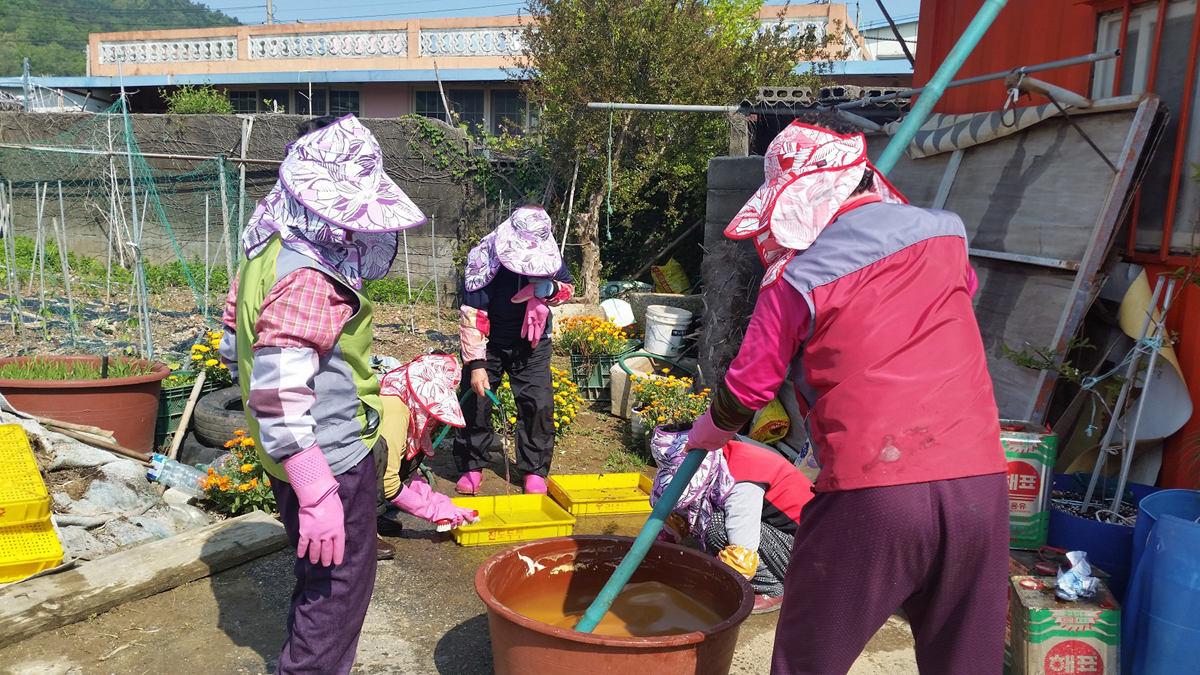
(425, 617)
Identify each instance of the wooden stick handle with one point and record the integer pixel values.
(85, 428)
(181, 431)
(105, 445)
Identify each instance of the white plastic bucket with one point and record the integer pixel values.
(665, 330)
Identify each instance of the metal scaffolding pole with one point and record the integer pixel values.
(748, 110)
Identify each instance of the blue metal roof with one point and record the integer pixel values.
(292, 77)
(875, 67)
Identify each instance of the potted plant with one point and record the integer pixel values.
(566, 403)
(594, 346)
(178, 385)
(660, 400)
(115, 393)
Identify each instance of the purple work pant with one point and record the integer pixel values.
(329, 604)
(938, 549)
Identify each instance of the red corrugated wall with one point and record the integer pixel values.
(1026, 33)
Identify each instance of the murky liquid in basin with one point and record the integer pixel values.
(645, 609)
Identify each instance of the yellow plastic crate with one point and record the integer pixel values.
(512, 518)
(28, 549)
(23, 496)
(602, 494)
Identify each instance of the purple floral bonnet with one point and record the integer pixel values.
(523, 244)
(335, 204)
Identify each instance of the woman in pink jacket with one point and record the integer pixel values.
(868, 301)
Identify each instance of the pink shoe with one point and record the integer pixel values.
(535, 485)
(469, 483)
(766, 605)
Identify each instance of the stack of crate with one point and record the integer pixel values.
(28, 543)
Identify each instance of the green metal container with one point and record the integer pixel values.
(1031, 451)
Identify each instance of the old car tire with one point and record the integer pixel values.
(218, 415)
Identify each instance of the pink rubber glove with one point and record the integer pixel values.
(536, 312)
(421, 501)
(706, 435)
(322, 522)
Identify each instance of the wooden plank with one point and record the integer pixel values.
(57, 600)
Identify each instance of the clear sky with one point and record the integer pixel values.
(312, 11)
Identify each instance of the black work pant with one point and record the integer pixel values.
(528, 371)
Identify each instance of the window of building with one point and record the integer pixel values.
(1168, 83)
(319, 104)
(508, 112)
(275, 100)
(245, 102)
(429, 104)
(469, 106)
(344, 103)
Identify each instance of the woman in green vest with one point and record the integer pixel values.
(299, 331)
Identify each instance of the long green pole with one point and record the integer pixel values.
(641, 545)
(933, 91)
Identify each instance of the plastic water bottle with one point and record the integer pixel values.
(173, 474)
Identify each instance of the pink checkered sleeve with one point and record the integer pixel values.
(301, 319)
(305, 309)
(227, 350)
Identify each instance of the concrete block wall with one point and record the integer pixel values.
(453, 200)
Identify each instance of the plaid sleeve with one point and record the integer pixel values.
(229, 317)
(305, 309)
(301, 319)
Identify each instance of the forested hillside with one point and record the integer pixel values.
(54, 33)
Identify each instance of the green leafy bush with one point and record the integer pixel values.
(198, 100)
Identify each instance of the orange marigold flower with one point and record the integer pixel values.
(247, 468)
(247, 442)
(240, 432)
(243, 487)
(230, 444)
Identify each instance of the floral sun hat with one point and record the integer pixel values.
(427, 385)
(334, 203)
(337, 172)
(482, 263)
(523, 244)
(810, 174)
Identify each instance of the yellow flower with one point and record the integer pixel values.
(211, 362)
(661, 418)
(201, 348)
(247, 468)
(196, 357)
(247, 442)
(512, 420)
(224, 367)
(243, 487)
(556, 425)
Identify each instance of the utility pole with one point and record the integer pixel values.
(25, 81)
(270, 14)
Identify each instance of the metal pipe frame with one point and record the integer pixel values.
(151, 155)
(1087, 280)
(672, 107)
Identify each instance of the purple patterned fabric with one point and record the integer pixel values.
(482, 263)
(524, 244)
(707, 490)
(334, 203)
